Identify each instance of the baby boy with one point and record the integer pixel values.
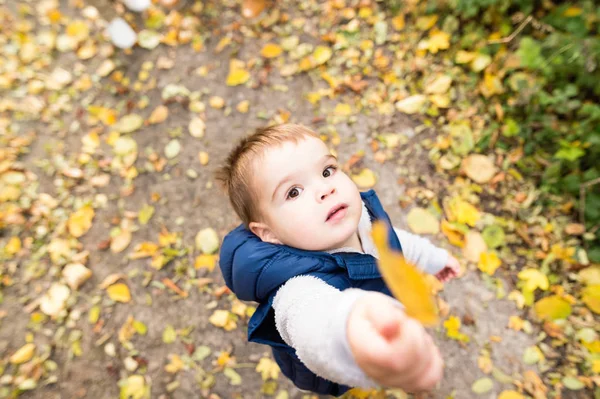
(305, 254)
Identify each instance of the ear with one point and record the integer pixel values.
(264, 232)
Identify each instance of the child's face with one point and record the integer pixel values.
(306, 201)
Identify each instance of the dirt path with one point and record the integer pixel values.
(188, 205)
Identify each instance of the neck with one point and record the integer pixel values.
(353, 242)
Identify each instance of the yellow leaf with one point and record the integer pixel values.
(174, 365)
(591, 297)
(13, 246)
(510, 395)
(572, 11)
(105, 115)
(267, 369)
(474, 246)
(422, 221)
(78, 29)
(412, 104)
(271, 50)
(159, 115)
(23, 354)
(552, 308)
(223, 319)
(426, 22)
(478, 168)
(252, 8)
(404, 280)
(120, 242)
(144, 250)
(365, 179)
(461, 211)
(216, 102)
(243, 106)
(534, 279)
(464, 57)
(119, 292)
(343, 109)
(237, 77)
(491, 85)
(438, 40)
(455, 237)
(80, 221)
(398, 22)
(489, 262)
(206, 262)
(452, 326)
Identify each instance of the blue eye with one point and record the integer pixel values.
(330, 170)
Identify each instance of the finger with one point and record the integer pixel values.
(386, 319)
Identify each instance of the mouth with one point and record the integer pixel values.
(337, 212)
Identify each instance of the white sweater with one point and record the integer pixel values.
(311, 315)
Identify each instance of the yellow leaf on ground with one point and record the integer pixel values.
(534, 279)
(252, 8)
(455, 237)
(438, 40)
(426, 22)
(144, 250)
(54, 301)
(398, 22)
(422, 221)
(13, 246)
(474, 246)
(343, 109)
(119, 292)
(271, 50)
(510, 395)
(206, 262)
(159, 115)
(223, 319)
(461, 211)
(405, 281)
(365, 179)
(174, 365)
(479, 168)
(120, 241)
(268, 369)
(552, 308)
(452, 326)
(80, 221)
(243, 106)
(23, 354)
(237, 77)
(412, 104)
(216, 102)
(76, 274)
(591, 297)
(105, 115)
(489, 262)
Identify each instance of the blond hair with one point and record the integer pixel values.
(235, 175)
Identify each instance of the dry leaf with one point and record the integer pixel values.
(119, 293)
(552, 308)
(479, 168)
(252, 8)
(207, 241)
(80, 221)
(159, 115)
(216, 102)
(206, 262)
(23, 354)
(268, 369)
(197, 127)
(120, 241)
(76, 274)
(53, 302)
(365, 179)
(271, 50)
(474, 246)
(412, 104)
(489, 262)
(422, 221)
(405, 281)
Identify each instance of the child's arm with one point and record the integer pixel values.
(334, 335)
(428, 257)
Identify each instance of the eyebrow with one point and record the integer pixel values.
(288, 178)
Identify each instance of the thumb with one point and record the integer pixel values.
(385, 317)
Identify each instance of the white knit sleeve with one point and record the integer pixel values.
(422, 252)
(311, 317)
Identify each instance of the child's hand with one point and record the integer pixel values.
(449, 271)
(392, 348)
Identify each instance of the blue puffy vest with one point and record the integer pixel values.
(254, 270)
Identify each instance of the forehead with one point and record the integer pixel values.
(280, 161)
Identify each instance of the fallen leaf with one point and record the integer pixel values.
(207, 241)
(439, 84)
(422, 221)
(482, 385)
(534, 279)
(452, 326)
(412, 104)
(172, 149)
(365, 179)
(13, 246)
(572, 383)
(237, 77)
(268, 369)
(271, 50)
(461, 211)
(203, 158)
(175, 364)
(120, 241)
(129, 123)
(510, 395)
(145, 214)
(590, 295)
(223, 319)
(80, 221)
(23, 354)
(159, 115)
(552, 308)
(197, 128)
(480, 62)
(474, 246)
(252, 8)
(53, 302)
(488, 262)
(119, 293)
(206, 262)
(216, 102)
(134, 387)
(243, 106)
(76, 274)
(493, 236)
(405, 281)
(479, 168)
(234, 377)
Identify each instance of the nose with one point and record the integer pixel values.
(325, 192)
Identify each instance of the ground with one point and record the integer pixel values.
(188, 205)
